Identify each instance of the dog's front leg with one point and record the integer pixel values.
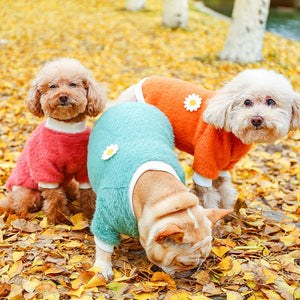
(87, 202)
(55, 204)
(103, 261)
(208, 196)
(227, 191)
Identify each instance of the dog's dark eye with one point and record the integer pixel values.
(53, 86)
(73, 84)
(271, 102)
(248, 102)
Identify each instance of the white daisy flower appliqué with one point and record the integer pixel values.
(192, 102)
(110, 151)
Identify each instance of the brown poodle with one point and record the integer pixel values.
(52, 166)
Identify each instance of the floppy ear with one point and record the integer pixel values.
(295, 121)
(217, 110)
(215, 215)
(171, 231)
(33, 99)
(96, 95)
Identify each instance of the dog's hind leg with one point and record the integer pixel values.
(208, 196)
(87, 202)
(55, 204)
(72, 190)
(22, 199)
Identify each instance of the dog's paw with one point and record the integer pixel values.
(105, 270)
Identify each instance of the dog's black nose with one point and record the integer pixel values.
(257, 121)
(63, 98)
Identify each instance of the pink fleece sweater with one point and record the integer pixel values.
(51, 157)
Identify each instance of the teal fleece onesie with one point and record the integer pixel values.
(144, 135)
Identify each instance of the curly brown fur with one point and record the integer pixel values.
(72, 190)
(65, 91)
(31, 201)
(87, 202)
(65, 78)
(55, 204)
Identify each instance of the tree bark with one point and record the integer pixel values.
(245, 37)
(135, 5)
(175, 13)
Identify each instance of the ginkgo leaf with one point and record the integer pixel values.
(220, 251)
(17, 255)
(15, 269)
(256, 254)
(97, 280)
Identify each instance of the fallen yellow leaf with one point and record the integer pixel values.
(220, 251)
(73, 244)
(15, 269)
(161, 276)
(97, 280)
(54, 270)
(77, 292)
(225, 264)
(15, 292)
(236, 268)
(17, 255)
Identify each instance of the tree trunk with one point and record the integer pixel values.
(135, 5)
(245, 37)
(175, 13)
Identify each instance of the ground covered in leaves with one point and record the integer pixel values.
(257, 255)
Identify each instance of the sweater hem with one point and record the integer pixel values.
(150, 165)
(139, 91)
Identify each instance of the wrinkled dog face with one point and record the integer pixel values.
(181, 249)
(187, 258)
(256, 106)
(63, 99)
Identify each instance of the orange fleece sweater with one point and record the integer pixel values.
(214, 149)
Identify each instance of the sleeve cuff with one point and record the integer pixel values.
(225, 174)
(103, 246)
(139, 92)
(85, 186)
(202, 181)
(48, 185)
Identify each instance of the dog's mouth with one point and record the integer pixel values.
(180, 273)
(188, 273)
(64, 100)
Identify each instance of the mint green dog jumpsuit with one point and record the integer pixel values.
(145, 141)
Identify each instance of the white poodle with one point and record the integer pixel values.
(218, 128)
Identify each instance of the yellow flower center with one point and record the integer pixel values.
(193, 102)
(110, 152)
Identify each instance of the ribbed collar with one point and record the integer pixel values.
(65, 127)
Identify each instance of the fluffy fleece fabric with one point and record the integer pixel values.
(144, 136)
(51, 156)
(214, 149)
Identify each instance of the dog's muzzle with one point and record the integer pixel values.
(63, 99)
(257, 122)
(188, 273)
